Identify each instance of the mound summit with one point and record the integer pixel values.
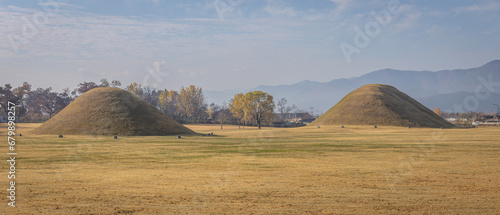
(380, 104)
(111, 111)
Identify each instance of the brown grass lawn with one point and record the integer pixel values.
(308, 170)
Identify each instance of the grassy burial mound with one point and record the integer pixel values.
(380, 104)
(111, 111)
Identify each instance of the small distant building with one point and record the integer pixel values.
(307, 118)
(494, 121)
(486, 120)
(294, 117)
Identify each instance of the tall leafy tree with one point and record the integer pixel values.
(169, 103)
(135, 88)
(236, 107)
(104, 83)
(258, 106)
(84, 87)
(66, 97)
(192, 103)
(150, 95)
(24, 94)
(438, 111)
(6, 96)
(116, 83)
(46, 102)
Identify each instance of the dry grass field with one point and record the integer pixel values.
(308, 170)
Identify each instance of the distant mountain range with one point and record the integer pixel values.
(458, 90)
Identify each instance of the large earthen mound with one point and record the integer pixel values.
(379, 104)
(111, 111)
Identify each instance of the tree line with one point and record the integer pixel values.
(187, 105)
(38, 105)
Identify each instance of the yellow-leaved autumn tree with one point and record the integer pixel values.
(169, 102)
(135, 88)
(258, 107)
(437, 111)
(192, 103)
(236, 107)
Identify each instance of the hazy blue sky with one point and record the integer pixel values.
(227, 44)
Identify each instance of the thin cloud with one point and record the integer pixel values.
(84, 35)
(490, 6)
(341, 5)
(408, 22)
(278, 8)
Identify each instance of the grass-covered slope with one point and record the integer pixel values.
(111, 111)
(379, 104)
